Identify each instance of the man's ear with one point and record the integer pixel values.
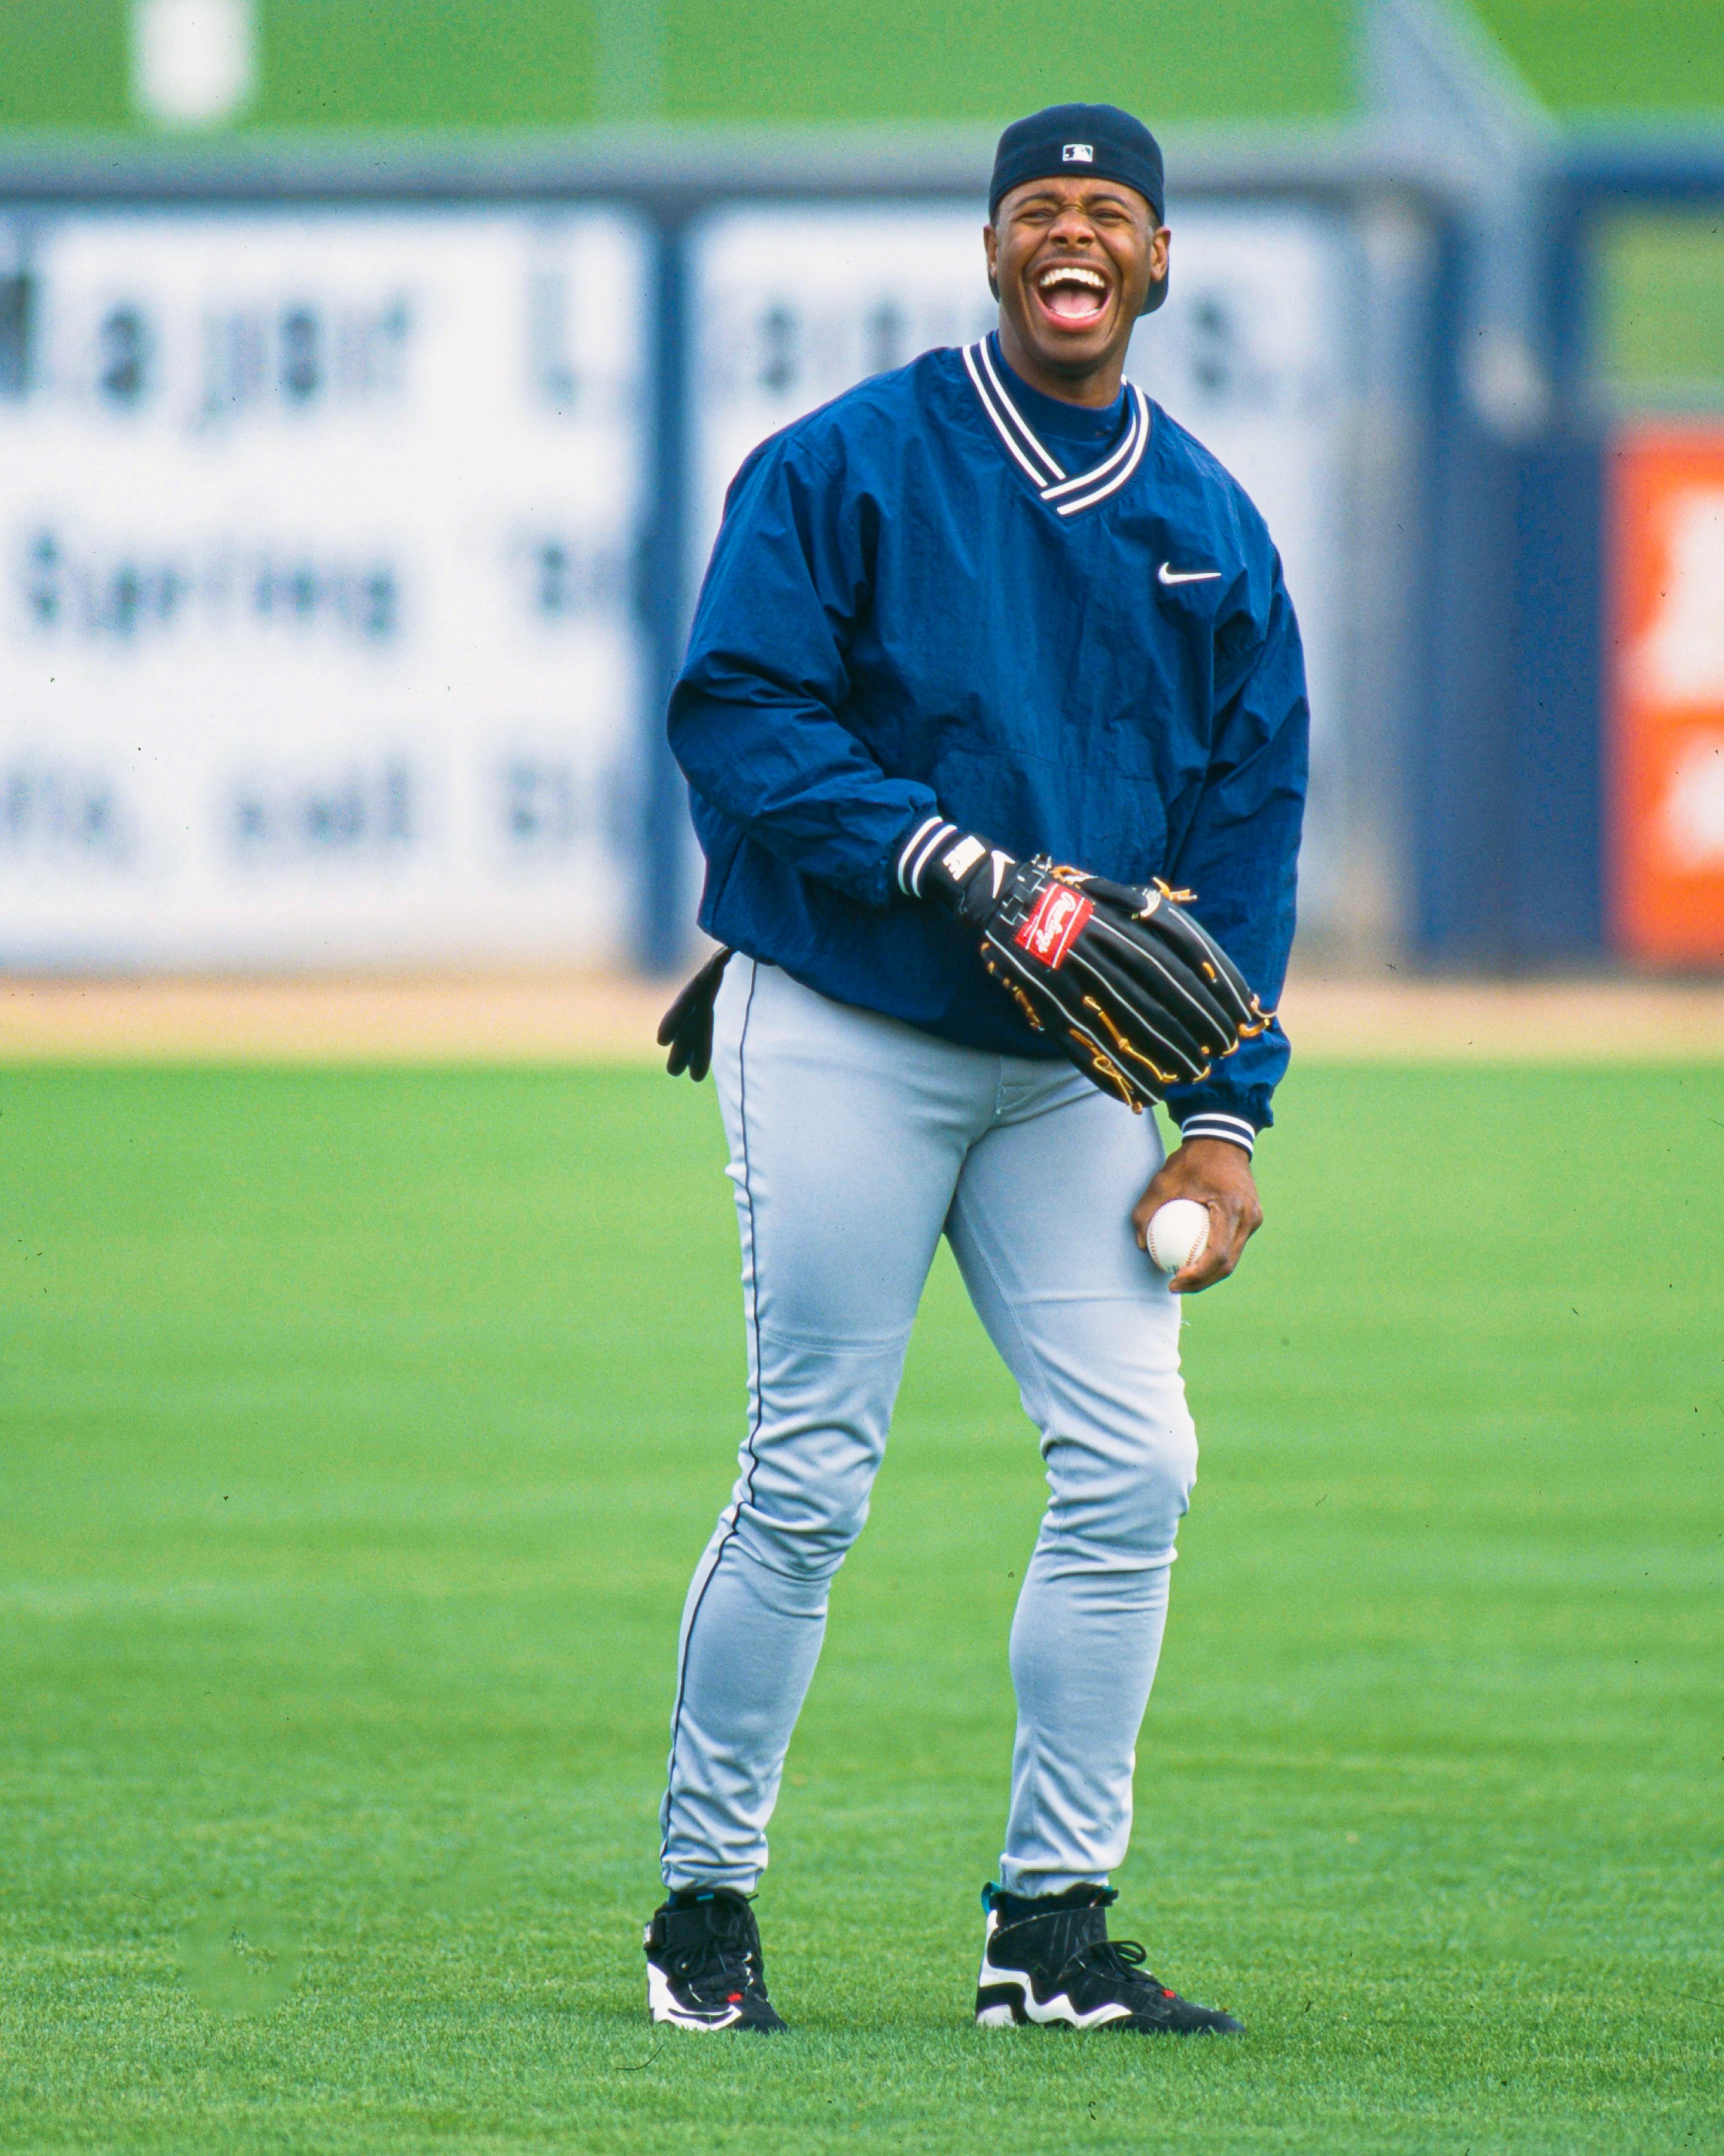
(993, 286)
(990, 255)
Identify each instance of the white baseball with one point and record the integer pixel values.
(1177, 1233)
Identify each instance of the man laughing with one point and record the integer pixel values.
(989, 613)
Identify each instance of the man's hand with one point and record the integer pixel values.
(1218, 1175)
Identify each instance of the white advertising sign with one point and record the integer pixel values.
(1252, 352)
(793, 306)
(1255, 353)
(318, 537)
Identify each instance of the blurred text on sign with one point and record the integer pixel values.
(320, 625)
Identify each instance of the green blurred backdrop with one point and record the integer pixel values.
(419, 64)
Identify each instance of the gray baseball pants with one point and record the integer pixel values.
(855, 1142)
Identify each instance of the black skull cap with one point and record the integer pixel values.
(1064, 141)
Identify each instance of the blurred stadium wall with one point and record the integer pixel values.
(369, 377)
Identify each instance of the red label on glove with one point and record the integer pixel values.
(1052, 928)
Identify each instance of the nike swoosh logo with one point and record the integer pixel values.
(1167, 574)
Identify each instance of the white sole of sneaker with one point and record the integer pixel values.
(1028, 2008)
(662, 2006)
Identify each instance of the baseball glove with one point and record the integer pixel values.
(1130, 985)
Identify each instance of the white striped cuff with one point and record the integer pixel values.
(918, 850)
(1207, 1124)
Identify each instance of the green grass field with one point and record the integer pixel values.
(1662, 330)
(341, 64)
(360, 1431)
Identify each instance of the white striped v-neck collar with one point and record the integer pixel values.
(1064, 494)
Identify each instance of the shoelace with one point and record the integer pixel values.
(715, 1965)
(1121, 1959)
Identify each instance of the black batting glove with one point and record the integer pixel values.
(686, 1028)
(954, 870)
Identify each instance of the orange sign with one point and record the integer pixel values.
(1667, 695)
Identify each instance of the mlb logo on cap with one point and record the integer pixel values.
(1078, 153)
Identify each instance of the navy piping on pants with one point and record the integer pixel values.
(748, 1496)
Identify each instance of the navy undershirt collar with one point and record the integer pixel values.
(1073, 426)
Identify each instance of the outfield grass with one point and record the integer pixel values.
(359, 1432)
(483, 64)
(1661, 335)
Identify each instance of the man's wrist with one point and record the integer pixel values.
(1212, 1123)
(938, 862)
(918, 851)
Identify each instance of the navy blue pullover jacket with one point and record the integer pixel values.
(935, 594)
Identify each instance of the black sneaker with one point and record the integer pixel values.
(704, 1967)
(1050, 1961)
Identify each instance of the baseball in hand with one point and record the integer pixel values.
(1178, 1233)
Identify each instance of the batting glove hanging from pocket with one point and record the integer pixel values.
(686, 1028)
(1120, 976)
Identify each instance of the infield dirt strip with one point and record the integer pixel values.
(547, 1017)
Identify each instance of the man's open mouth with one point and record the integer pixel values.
(1073, 293)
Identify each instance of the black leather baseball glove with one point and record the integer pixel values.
(1129, 984)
